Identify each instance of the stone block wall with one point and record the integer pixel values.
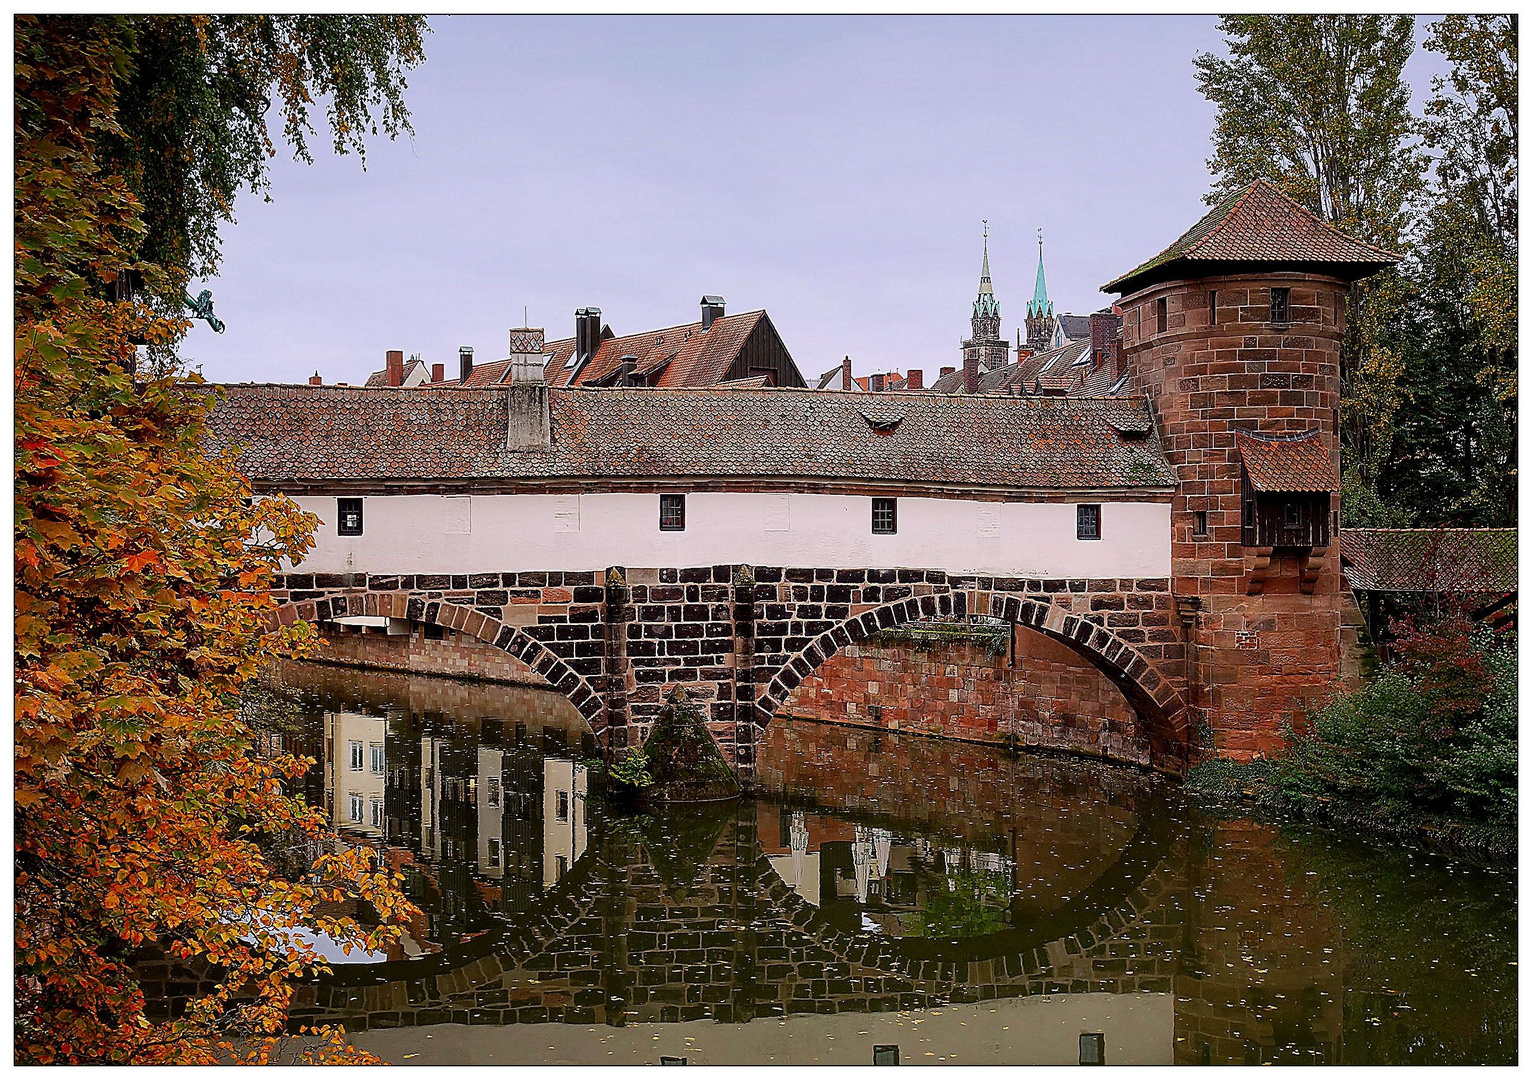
(1045, 696)
(1265, 624)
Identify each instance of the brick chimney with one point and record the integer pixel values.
(875, 382)
(712, 311)
(970, 374)
(315, 380)
(393, 367)
(915, 379)
(438, 372)
(1103, 331)
(946, 371)
(845, 374)
(464, 363)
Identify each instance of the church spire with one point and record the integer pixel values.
(985, 306)
(1039, 305)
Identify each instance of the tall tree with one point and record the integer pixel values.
(143, 813)
(1457, 443)
(1318, 105)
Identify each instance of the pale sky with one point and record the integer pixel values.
(831, 171)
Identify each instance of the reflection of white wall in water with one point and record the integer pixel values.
(491, 799)
(563, 817)
(799, 869)
(413, 534)
(356, 771)
(430, 797)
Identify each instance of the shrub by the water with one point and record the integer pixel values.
(1433, 733)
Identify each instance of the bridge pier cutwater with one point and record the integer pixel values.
(739, 639)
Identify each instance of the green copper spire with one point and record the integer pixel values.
(1039, 305)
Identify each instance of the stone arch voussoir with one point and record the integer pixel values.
(421, 608)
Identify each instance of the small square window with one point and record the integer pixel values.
(356, 808)
(672, 513)
(377, 758)
(355, 748)
(1212, 307)
(1200, 523)
(1092, 1048)
(348, 519)
(1279, 306)
(1291, 515)
(885, 516)
(1088, 521)
(494, 852)
(494, 791)
(377, 813)
(561, 810)
(1161, 315)
(885, 1054)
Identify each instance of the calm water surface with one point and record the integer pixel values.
(964, 906)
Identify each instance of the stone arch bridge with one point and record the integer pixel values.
(739, 639)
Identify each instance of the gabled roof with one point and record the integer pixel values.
(1430, 560)
(320, 436)
(677, 356)
(1286, 463)
(1075, 327)
(380, 378)
(1257, 225)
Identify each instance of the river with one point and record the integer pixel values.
(961, 905)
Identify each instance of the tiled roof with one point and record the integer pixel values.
(380, 378)
(1288, 463)
(683, 356)
(303, 434)
(1430, 560)
(1065, 370)
(1257, 224)
(1075, 327)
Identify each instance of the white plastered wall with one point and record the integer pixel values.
(437, 534)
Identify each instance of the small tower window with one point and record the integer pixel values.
(348, 520)
(672, 513)
(1279, 306)
(1161, 315)
(1212, 307)
(1200, 523)
(1088, 521)
(885, 516)
(1292, 515)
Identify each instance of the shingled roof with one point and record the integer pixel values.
(1430, 560)
(1286, 463)
(1257, 226)
(312, 435)
(1069, 369)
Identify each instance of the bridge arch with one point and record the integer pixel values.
(420, 608)
(1153, 697)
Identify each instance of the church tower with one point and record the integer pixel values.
(1234, 334)
(985, 350)
(1042, 325)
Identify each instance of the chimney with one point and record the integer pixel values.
(438, 372)
(528, 426)
(915, 379)
(315, 380)
(970, 374)
(393, 367)
(527, 341)
(875, 383)
(845, 374)
(625, 368)
(946, 371)
(464, 363)
(712, 311)
(587, 332)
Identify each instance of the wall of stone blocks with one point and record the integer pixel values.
(454, 653)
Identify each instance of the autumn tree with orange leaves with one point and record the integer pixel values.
(142, 566)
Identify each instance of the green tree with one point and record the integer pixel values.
(1456, 458)
(1318, 105)
(142, 569)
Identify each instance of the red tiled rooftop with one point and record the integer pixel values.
(1286, 463)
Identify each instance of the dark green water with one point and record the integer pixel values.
(941, 897)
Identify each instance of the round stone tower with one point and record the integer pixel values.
(1234, 334)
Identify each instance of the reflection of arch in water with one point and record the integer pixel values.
(1159, 705)
(586, 953)
(420, 608)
